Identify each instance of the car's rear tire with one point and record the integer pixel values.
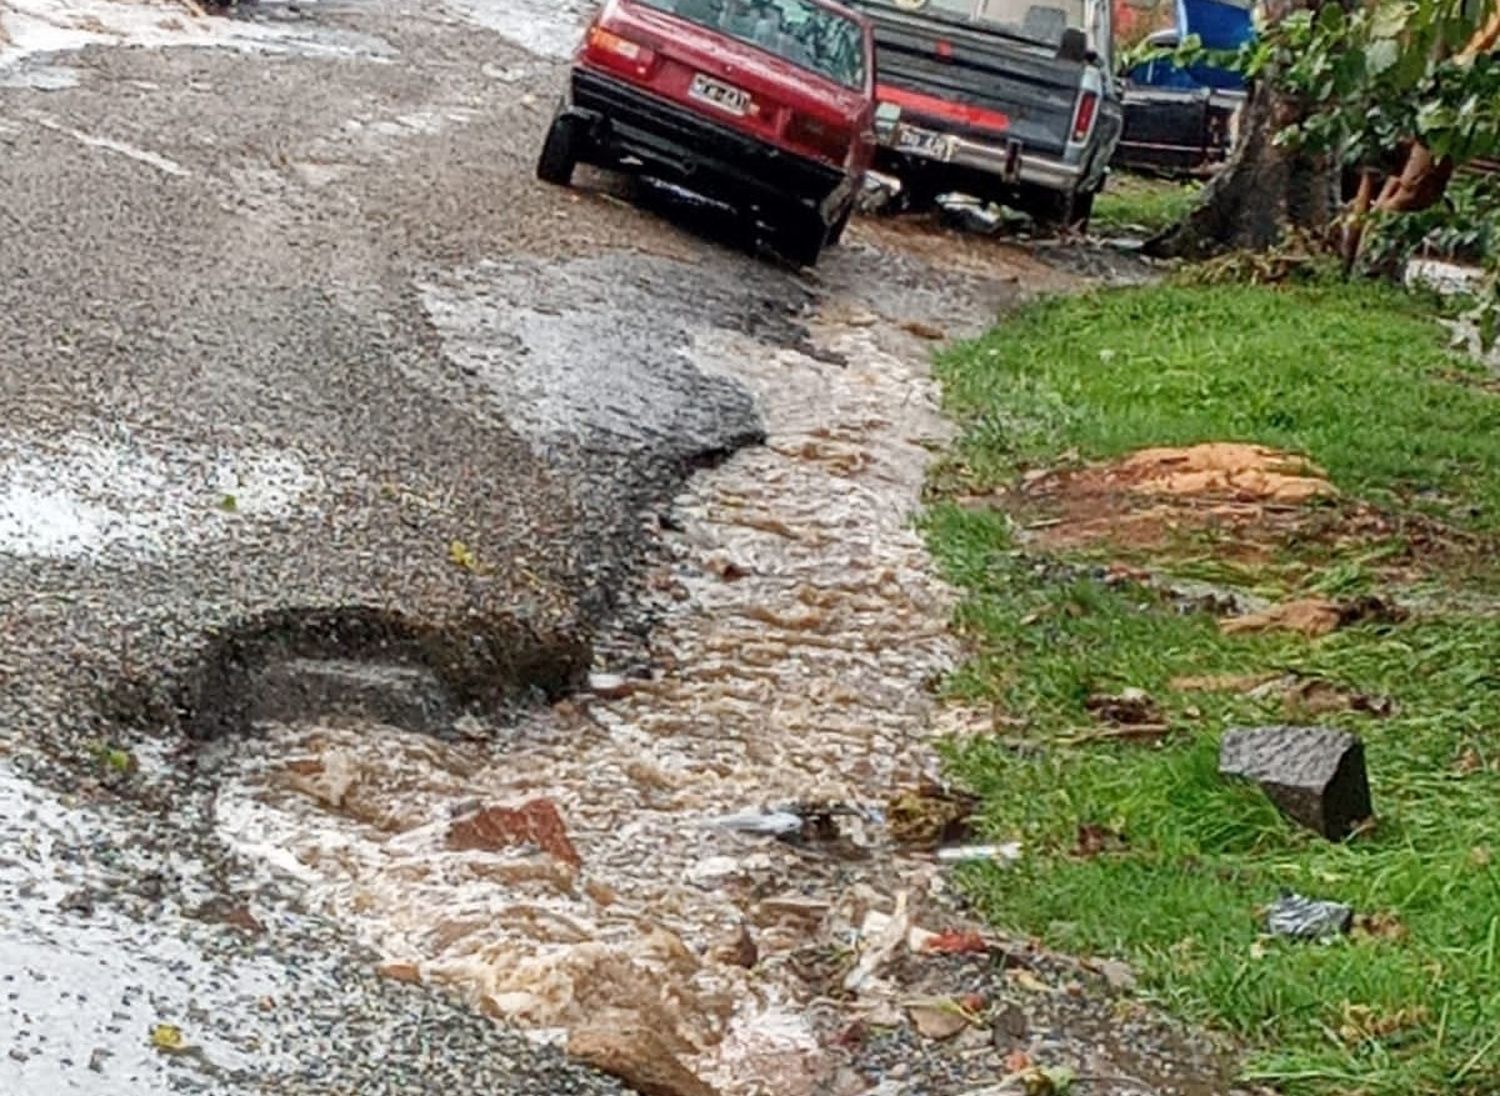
(560, 152)
(836, 233)
(800, 239)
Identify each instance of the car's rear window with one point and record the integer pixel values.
(1038, 20)
(806, 34)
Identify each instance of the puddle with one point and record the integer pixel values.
(77, 497)
(41, 27)
(611, 354)
(797, 627)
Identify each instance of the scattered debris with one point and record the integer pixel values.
(879, 191)
(956, 942)
(610, 686)
(1304, 918)
(1305, 697)
(938, 1020)
(879, 946)
(1009, 1029)
(782, 824)
(1095, 840)
(737, 949)
(1132, 707)
(1380, 926)
(1007, 853)
(640, 1058)
(930, 815)
(168, 1039)
(1314, 775)
(924, 330)
(1116, 974)
(1223, 683)
(534, 823)
(1315, 617)
(401, 972)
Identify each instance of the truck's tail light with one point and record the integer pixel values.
(613, 51)
(1083, 119)
(829, 141)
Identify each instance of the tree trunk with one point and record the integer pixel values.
(1263, 190)
(1260, 193)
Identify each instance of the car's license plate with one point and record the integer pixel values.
(924, 142)
(723, 96)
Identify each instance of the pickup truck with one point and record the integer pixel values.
(1006, 100)
(1184, 120)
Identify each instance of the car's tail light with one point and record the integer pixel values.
(827, 140)
(1083, 119)
(613, 51)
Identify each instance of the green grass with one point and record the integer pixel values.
(1131, 203)
(1354, 377)
(1350, 377)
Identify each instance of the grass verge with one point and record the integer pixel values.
(1135, 203)
(1356, 379)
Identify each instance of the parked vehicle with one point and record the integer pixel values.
(1184, 121)
(765, 104)
(1010, 100)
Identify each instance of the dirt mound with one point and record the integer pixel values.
(1248, 495)
(1221, 470)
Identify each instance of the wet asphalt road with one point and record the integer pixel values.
(297, 359)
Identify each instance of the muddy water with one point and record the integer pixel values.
(797, 628)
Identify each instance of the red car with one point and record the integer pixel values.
(768, 105)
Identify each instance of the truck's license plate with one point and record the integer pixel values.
(924, 142)
(723, 96)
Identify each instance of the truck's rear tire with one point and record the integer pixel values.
(1057, 210)
(560, 152)
(1083, 209)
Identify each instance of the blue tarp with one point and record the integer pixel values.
(1220, 25)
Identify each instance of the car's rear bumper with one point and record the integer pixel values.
(1008, 161)
(628, 127)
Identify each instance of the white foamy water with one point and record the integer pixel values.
(33, 27)
(79, 497)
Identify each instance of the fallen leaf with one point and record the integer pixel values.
(925, 330)
(938, 1020)
(1129, 708)
(1017, 1061)
(167, 1038)
(461, 555)
(1028, 981)
(1311, 617)
(1095, 840)
(956, 942)
(1381, 926)
(1315, 616)
(1221, 683)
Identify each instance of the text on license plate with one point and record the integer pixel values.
(720, 95)
(924, 142)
